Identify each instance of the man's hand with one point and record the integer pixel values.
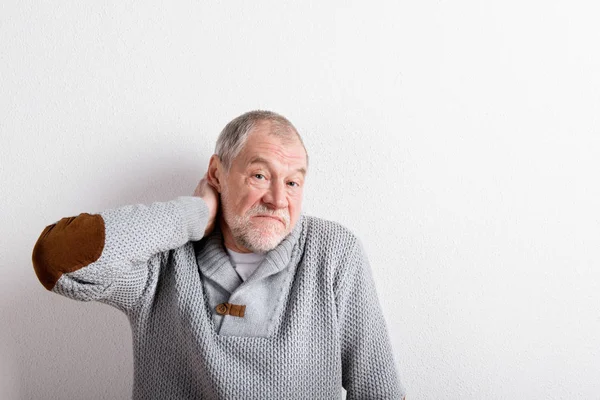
(210, 195)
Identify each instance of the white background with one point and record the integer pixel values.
(458, 139)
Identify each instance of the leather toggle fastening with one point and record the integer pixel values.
(237, 310)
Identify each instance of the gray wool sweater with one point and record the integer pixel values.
(312, 321)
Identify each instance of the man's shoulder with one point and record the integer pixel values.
(326, 231)
(330, 243)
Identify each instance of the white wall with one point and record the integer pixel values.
(459, 139)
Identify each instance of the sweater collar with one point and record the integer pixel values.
(214, 262)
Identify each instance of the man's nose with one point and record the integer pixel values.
(276, 195)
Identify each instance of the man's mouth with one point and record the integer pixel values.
(271, 217)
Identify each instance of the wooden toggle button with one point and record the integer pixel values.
(237, 310)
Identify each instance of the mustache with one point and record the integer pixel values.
(260, 210)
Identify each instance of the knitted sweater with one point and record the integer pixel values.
(311, 324)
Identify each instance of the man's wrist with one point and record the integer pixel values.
(195, 214)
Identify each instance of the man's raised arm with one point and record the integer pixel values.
(109, 256)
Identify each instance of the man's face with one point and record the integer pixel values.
(261, 197)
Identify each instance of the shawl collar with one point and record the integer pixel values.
(214, 262)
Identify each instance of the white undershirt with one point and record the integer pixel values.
(245, 263)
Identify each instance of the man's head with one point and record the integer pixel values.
(259, 169)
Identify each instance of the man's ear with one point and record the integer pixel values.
(215, 172)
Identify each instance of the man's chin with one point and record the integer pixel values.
(264, 245)
(269, 226)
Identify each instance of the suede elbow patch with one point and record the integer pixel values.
(66, 246)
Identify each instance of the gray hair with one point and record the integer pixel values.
(233, 137)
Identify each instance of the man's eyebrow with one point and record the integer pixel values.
(258, 159)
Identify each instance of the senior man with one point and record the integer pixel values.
(232, 293)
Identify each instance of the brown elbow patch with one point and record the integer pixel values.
(66, 246)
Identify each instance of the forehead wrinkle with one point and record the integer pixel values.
(281, 149)
(262, 145)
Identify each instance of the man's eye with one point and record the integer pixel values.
(255, 175)
(295, 184)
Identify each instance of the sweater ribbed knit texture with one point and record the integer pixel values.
(323, 325)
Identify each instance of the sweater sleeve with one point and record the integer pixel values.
(110, 256)
(368, 366)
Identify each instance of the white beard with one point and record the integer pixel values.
(259, 235)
